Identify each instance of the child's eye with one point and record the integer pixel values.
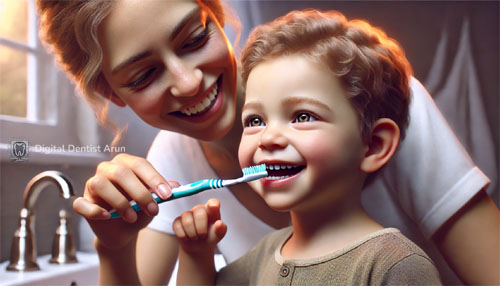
(254, 122)
(143, 79)
(304, 117)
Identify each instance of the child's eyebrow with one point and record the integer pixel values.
(295, 100)
(289, 101)
(252, 105)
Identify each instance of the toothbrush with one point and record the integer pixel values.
(249, 174)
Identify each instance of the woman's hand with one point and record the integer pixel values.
(200, 229)
(115, 183)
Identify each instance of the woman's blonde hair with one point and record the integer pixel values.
(371, 66)
(70, 28)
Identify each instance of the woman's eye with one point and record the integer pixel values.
(304, 117)
(254, 122)
(198, 40)
(142, 80)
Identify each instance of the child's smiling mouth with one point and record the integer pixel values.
(282, 171)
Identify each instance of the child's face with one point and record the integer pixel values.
(296, 116)
(172, 64)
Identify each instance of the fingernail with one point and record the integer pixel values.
(105, 215)
(164, 191)
(130, 215)
(152, 208)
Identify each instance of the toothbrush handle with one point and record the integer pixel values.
(180, 192)
(192, 189)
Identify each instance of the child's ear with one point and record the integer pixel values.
(105, 91)
(384, 140)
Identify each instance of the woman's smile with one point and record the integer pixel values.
(208, 106)
(203, 105)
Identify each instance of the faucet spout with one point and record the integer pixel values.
(23, 250)
(40, 181)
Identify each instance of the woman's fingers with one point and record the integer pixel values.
(146, 173)
(99, 188)
(117, 182)
(135, 177)
(125, 179)
(89, 210)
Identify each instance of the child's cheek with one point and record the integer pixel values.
(318, 149)
(327, 154)
(246, 152)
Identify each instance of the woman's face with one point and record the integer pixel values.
(172, 64)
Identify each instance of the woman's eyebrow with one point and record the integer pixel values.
(176, 31)
(129, 61)
(189, 16)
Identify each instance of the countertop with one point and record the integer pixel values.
(82, 273)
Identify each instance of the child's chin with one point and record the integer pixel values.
(278, 204)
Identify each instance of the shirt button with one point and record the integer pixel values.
(284, 271)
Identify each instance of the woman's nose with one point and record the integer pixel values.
(185, 81)
(273, 138)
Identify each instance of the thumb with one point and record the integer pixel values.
(213, 210)
(216, 232)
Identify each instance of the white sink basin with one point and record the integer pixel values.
(82, 273)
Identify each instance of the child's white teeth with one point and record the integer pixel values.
(277, 177)
(277, 167)
(202, 105)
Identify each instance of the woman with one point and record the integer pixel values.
(172, 64)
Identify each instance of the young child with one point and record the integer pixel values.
(326, 105)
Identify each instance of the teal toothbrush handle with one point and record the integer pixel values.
(180, 192)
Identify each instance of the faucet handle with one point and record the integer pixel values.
(63, 248)
(23, 249)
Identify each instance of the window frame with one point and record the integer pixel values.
(51, 99)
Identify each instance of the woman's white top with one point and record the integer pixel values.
(427, 181)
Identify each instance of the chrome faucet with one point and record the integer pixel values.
(23, 250)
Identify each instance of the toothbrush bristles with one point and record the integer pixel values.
(255, 169)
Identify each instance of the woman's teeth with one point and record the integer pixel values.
(202, 106)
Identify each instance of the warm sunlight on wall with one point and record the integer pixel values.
(13, 63)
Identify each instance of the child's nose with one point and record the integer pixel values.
(185, 81)
(273, 138)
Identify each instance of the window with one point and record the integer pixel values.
(15, 48)
(37, 101)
